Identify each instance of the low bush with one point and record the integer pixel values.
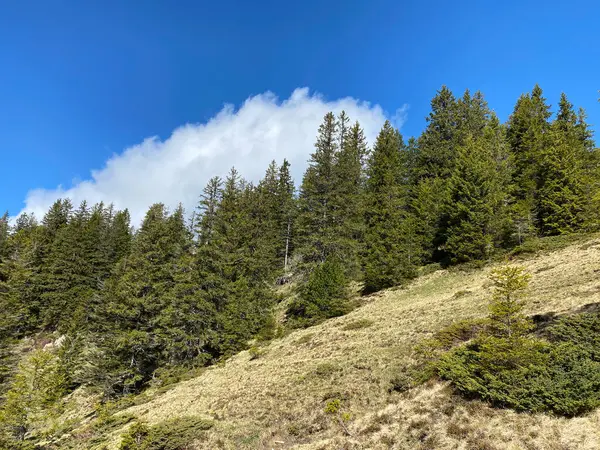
(582, 330)
(175, 434)
(545, 377)
(534, 245)
(357, 325)
(507, 366)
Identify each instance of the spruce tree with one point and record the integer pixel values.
(432, 166)
(4, 233)
(135, 297)
(316, 219)
(390, 257)
(324, 295)
(477, 192)
(561, 198)
(348, 198)
(232, 273)
(286, 194)
(473, 114)
(266, 212)
(209, 202)
(527, 136)
(436, 144)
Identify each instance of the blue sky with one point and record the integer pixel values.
(80, 82)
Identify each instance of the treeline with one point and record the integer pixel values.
(187, 290)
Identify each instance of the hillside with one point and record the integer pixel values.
(277, 400)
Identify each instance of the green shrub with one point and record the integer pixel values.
(254, 353)
(358, 325)
(534, 245)
(324, 295)
(507, 367)
(333, 406)
(175, 434)
(401, 382)
(555, 378)
(457, 332)
(34, 394)
(582, 330)
(326, 369)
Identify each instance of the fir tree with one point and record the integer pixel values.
(4, 233)
(476, 195)
(561, 196)
(267, 215)
(390, 256)
(436, 144)
(527, 133)
(285, 192)
(135, 297)
(316, 222)
(209, 202)
(348, 198)
(324, 295)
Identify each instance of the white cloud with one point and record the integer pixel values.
(177, 169)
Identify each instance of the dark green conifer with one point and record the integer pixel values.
(316, 218)
(349, 198)
(477, 193)
(390, 257)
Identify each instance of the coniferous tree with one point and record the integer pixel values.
(209, 202)
(316, 218)
(232, 277)
(285, 192)
(266, 213)
(560, 200)
(67, 272)
(324, 295)
(4, 232)
(135, 297)
(591, 172)
(187, 323)
(120, 235)
(19, 292)
(477, 193)
(433, 165)
(527, 135)
(473, 115)
(436, 144)
(348, 197)
(390, 257)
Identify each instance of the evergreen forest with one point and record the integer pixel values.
(186, 289)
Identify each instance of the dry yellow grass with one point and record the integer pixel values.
(277, 400)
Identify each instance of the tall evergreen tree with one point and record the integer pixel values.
(432, 165)
(209, 202)
(477, 193)
(135, 297)
(266, 213)
(390, 255)
(232, 273)
(473, 114)
(436, 144)
(348, 198)
(286, 192)
(316, 217)
(4, 233)
(527, 135)
(561, 199)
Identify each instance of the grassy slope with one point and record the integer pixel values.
(277, 400)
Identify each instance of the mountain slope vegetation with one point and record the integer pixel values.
(280, 398)
(95, 310)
